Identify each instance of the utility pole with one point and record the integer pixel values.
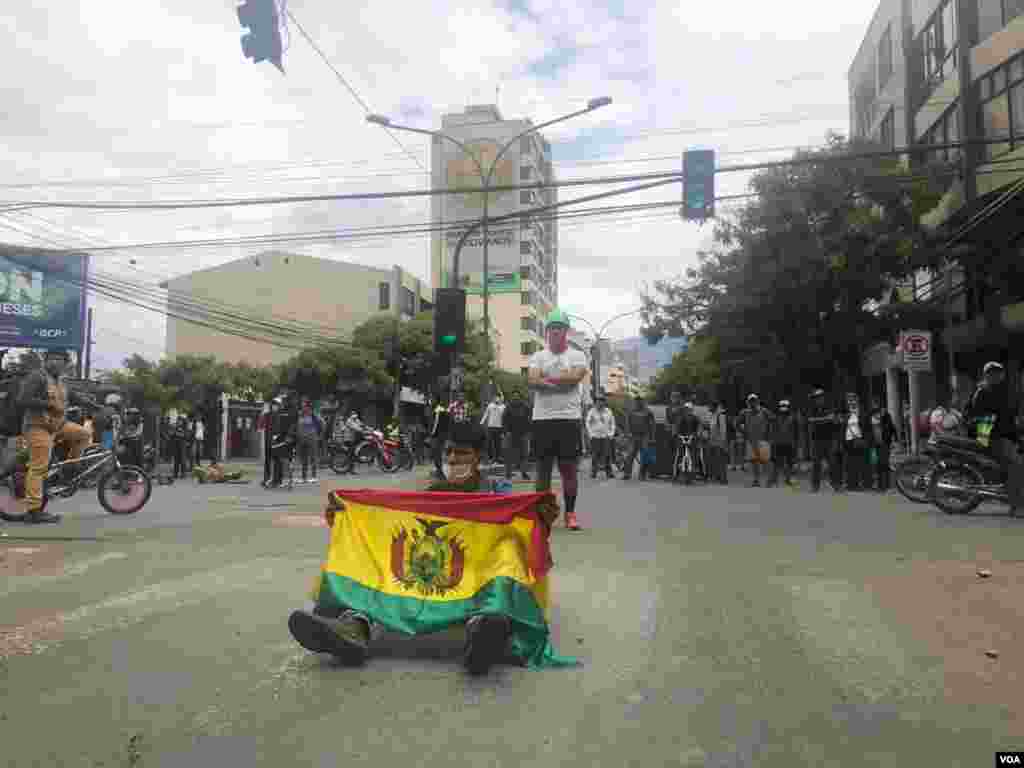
(88, 345)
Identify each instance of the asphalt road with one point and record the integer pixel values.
(718, 627)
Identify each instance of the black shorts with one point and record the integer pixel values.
(557, 438)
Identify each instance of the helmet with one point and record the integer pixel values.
(818, 393)
(557, 317)
(751, 397)
(992, 365)
(783, 405)
(112, 399)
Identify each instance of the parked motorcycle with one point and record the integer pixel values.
(965, 476)
(390, 455)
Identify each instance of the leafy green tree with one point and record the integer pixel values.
(695, 372)
(791, 284)
(316, 373)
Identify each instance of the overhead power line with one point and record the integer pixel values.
(344, 82)
(606, 180)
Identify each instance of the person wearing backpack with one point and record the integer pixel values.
(641, 432)
(44, 398)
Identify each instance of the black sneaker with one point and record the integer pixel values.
(526, 476)
(40, 517)
(486, 638)
(346, 638)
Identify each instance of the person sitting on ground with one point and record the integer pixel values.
(216, 473)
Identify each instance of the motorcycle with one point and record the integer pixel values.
(967, 475)
(390, 455)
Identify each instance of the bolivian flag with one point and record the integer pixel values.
(418, 562)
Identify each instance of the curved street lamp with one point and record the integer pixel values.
(485, 180)
(596, 348)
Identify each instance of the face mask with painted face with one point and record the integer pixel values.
(558, 339)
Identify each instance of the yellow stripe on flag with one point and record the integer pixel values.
(427, 557)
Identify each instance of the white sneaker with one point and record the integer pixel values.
(314, 479)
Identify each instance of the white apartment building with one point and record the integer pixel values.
(522, 253)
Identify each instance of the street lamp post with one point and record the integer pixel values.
(595, 357)
(485, 182)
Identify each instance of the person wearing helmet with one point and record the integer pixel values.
(44, 398)
(554, 374)
(991, 420)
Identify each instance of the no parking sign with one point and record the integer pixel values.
(917, 350)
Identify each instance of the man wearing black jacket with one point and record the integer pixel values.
(991, 419)
(44, 398)
(516, 423)
(822, 426)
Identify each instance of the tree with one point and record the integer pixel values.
(316, 373)
(695, 372)
(791, 284)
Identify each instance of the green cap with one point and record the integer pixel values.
(557, 317)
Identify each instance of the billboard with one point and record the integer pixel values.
(42, 298)
(503, 255)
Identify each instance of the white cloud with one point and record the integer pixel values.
(158, 91)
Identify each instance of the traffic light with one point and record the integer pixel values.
(699, 184)
(263, 40)
(449, 321)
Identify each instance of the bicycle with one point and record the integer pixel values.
(121, 489)
(684, 467)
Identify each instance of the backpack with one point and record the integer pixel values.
(11, 413)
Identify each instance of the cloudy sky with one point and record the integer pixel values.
(153, 100)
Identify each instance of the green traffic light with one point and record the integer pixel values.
(448, 340)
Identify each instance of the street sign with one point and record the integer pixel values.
(917, 350)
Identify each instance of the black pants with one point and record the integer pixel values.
(822, 450)
(178, 450)
(782, 459)
(308, 456)
(437, 452)
(637, 443)
(882, 471)
(601, 456)
(268, 462)
(515, 454)
(855, 453)
(494, 443)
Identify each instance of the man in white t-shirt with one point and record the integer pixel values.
(554, 375)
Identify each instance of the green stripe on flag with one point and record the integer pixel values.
(531, 639)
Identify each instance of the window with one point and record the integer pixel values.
(938, 42)
(408, 300)
(525, 172)
(525, 272)
(526, 323)
(526, 197)
(524, 298)
(995, 124)
(385, 296)
(885, 57)
(526, 348)
(887, 130)
(525, 247)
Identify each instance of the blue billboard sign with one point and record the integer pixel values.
(42, 298)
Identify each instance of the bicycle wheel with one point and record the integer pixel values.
(341, 461)
(124, 491)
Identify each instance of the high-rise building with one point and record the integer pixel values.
(522, 252)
